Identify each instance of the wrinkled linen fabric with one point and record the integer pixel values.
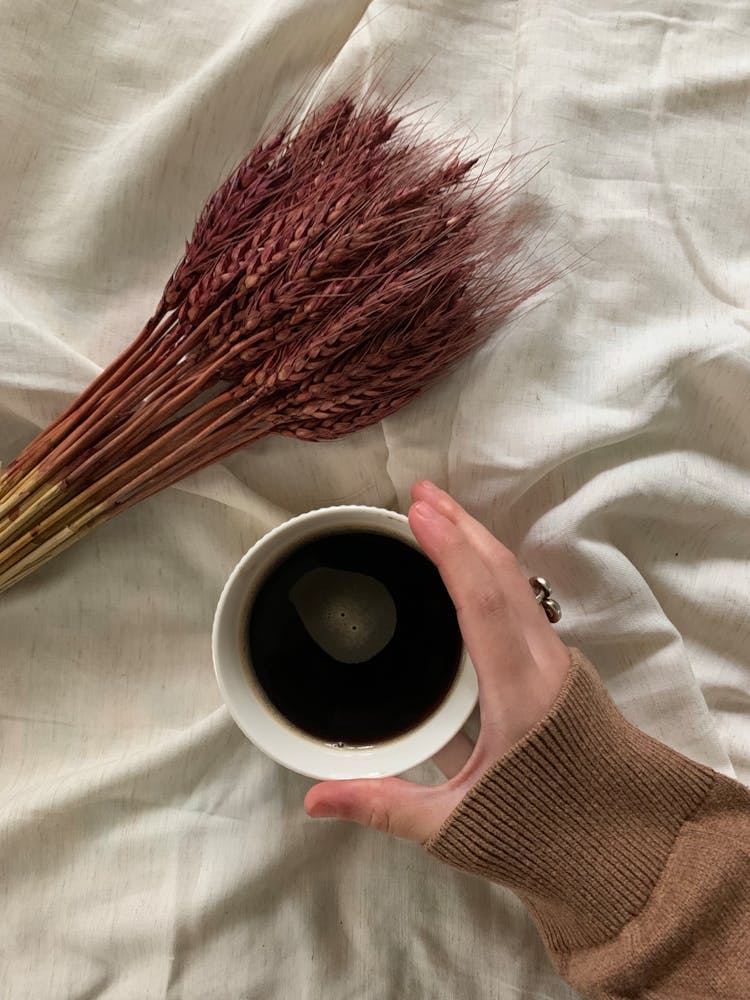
(147, 849)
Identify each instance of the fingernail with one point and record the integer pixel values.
(429, 487)
(424, 510)
(323, 810)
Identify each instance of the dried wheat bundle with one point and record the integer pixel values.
(345, 264)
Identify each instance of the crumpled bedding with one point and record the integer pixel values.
(147, 850)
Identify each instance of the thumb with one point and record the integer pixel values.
(391, 805)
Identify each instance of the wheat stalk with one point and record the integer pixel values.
(344, 266)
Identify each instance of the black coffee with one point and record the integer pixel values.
(353, 638)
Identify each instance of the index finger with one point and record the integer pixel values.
(492, 632)
(490, 548)
(499, 560)
(498, 590)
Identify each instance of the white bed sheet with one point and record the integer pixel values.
(146, 849)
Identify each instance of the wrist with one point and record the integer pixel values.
(578, 817)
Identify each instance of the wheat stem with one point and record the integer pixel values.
(339, 270)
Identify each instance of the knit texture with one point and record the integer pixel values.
(634, 860)
(579, 817)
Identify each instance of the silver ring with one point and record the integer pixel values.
(543, 592)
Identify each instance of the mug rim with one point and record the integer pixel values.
(261, 722)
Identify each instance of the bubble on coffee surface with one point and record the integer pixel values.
(351, 616)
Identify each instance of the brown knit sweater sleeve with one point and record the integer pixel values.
(634, 861)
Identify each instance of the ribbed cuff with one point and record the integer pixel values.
(578, 818)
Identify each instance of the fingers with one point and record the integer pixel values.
(390, 805)
(519, 659)
(501, 583)
(496, 644)
(445, 544)
(499, 560)
(490, 549)
(469, 541)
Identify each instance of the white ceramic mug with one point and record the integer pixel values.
(250, 707)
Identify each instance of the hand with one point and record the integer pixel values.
(520, 662)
